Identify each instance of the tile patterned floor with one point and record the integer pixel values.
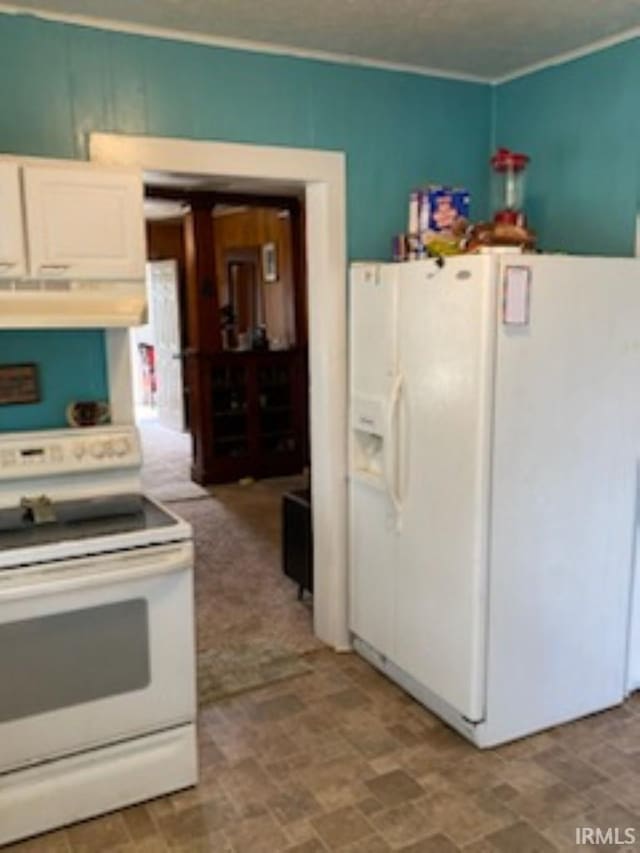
(340, 759)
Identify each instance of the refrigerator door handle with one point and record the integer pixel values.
(391, 452)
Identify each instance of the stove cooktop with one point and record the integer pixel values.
(82, 519)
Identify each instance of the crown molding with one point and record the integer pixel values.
(239, 44)
(570, 55)
(317, 55)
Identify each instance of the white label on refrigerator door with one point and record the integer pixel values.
(515, 296)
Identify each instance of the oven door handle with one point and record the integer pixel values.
(82, 576)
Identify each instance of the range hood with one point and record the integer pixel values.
(29, 304)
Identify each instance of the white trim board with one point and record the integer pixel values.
(570, 55)
(322, 175)
(237, 44)
(319, 55)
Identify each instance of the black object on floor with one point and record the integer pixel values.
(297, 539)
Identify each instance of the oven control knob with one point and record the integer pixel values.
(121, 446)
(97, 449)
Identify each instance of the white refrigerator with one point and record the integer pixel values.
(494, 452)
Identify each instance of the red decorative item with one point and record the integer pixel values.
(509, 171)
(504, 160)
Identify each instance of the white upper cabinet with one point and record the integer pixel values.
(84, 222)
(12, 254)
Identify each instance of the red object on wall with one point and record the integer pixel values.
(149, 379)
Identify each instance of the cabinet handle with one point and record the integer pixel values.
(7, 265)
(53, 268)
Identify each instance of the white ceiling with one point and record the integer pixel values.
(482, 38)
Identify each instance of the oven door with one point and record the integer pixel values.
(94, 651)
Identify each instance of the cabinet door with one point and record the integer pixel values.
(12, 256)
(84, 223)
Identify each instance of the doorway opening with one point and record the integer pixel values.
(159, 389)
(224, 352)
(320, 175)
(221, 389)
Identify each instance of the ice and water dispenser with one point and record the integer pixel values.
(368, 436)
(373, 369)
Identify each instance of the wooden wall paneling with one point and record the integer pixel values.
(301, 320)
(301, 403)
(299, 274)
(285, 295)
(165, 241)
(284, 309)
(250, 229)
(203, 320)
(203, 330)
(279, 296)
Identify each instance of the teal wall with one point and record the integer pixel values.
(580, 122)
(71, 366)
(59, 82)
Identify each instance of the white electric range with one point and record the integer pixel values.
(97, 648)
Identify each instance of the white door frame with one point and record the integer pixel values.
(322, 175)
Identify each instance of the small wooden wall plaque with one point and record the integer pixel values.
(18, 384)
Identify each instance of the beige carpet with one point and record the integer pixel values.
(166, 463)
(251, 629)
